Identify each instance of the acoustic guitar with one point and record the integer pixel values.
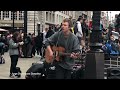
(58, 54)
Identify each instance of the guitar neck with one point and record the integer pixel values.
(68, 54)
(64, 54)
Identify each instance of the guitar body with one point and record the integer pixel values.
(56, 51)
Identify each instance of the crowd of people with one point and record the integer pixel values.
(20, 46)
(74, 38)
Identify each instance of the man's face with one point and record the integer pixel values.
(65, 26)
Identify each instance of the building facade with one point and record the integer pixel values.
(6, 20)
(37, 21)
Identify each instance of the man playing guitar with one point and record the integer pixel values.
(70, 43)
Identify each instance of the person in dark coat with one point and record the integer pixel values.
(49, 33)
(38, 43)
(33, 44)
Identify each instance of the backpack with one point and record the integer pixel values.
(75, 29)
(36, 71)
(77, 72)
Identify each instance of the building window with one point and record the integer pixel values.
(67, 12)
(46, 16)
(5, 14)
(21, 15)
(64, 12)
(57, 18)
(50, 17)
(102, 13)
(53, 17)
(11, 15)
(62, 18)
(15, 15)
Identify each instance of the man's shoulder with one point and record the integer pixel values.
(58, 32)
(73, 35)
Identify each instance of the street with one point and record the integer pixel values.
(23, 63)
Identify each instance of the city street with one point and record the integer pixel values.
(23, 63)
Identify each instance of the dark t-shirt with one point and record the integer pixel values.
(71, 44)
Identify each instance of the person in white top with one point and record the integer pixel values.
(44, 34)
(79, 34)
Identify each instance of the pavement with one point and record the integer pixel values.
(23, 63)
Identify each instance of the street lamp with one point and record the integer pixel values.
(25, 33)
(94, 66)
(96, 36)
(25, 22)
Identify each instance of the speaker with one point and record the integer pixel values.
(113, 73)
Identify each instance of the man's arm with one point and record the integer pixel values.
(76, 45)
(75, 48)
(50, 41)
